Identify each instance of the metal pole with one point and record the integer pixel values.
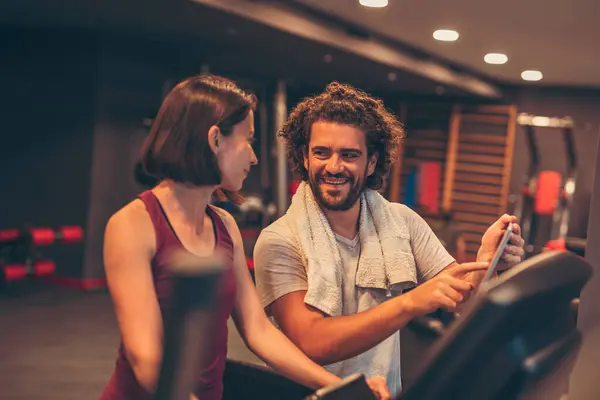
(280, 112)
(264, 144)
(569, 185)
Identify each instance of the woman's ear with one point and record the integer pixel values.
(214, 134)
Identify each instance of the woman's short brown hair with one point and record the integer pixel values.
(177, 146)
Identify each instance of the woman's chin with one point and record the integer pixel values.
(232, 187)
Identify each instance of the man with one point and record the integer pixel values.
(332, 269)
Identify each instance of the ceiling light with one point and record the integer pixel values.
(374, 3)
(327, 58)
(531, 75)
(392, 77)
(495, 58)
(540, 121)
(445, 35)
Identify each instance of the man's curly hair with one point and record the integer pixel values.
(344, 104)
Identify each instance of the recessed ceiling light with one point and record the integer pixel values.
(327, 58)
(445, 35)
(495, 58)
(531, 75)
(540, 121)
(392, 76)
(374, 3)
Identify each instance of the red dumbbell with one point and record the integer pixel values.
(14, 272)
(70, 234)
(42, 236)
(44, 268)
(64, 234)
(9, 235)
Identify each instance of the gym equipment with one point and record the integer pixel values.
(42, 236)
(250, 264)
(187, 329)
(411, 189)
(9, 235)
(546, 193)
(517, 334)
(254, 215)
(12, 272)
(19, 254)
(64, 234)
(429, 177)
(422, 188)
(187, 324)
(43, 268)
(514, 339)
(243, 380)
(15, 272)
(572, 244)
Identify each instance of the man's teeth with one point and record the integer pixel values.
(331, 181)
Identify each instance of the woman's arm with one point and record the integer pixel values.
(129, 244)
(259, 334)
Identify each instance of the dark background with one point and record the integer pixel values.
(74, 100)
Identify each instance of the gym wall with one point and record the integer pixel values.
(129, 82)
(47, 104)
(473, 145)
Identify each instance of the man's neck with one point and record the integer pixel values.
(344, 223)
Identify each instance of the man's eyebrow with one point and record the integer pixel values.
(343, 149)
(350, 150)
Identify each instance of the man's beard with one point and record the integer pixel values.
(339, 203)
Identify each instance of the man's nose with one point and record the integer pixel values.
(334, 165)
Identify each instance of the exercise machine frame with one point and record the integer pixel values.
(525, 210)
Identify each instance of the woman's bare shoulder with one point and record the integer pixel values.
(131, 222)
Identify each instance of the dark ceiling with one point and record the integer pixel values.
(229, 44)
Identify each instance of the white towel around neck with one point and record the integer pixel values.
(383, 264)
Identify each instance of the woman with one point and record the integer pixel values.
(200, 142)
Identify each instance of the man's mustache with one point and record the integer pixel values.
(335, 176)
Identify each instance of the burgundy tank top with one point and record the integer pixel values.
(123, 384)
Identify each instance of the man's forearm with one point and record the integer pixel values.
(334, 339)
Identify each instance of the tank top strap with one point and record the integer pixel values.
(223, 236)
(162, 227)
(165, 235)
